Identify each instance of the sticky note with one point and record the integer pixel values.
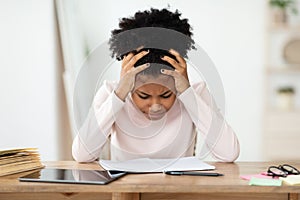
(265, 182)
(248, 177)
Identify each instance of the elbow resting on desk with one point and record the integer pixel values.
(79, 152)
(230, 154)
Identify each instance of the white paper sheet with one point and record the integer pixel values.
(144, 165)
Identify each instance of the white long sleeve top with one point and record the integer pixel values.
(191, 120)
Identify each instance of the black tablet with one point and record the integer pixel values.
(98, 177)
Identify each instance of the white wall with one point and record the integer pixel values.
(232, 33)
(30, 82)
(32, 109)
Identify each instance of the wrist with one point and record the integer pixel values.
(121, 94)
(183, 87)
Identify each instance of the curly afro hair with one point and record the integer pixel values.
(152, 29)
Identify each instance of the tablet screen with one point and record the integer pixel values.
(73, 176)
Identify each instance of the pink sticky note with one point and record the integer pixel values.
(261, 175)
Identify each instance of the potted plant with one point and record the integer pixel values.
(281, 8)
(285, 98)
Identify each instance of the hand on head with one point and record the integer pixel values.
(128, 74)
(180, 72)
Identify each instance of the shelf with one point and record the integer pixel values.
(277, 111)
(284, 27)
(281, 126)
(283, 69)
(281, 121)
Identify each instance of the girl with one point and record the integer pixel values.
(153, 111)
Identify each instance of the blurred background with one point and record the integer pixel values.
(254, 44)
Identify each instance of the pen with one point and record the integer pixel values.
(178, 173)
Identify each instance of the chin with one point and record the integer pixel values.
(156, 116)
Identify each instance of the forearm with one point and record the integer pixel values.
(92, 136)
(199, 111)
(221, 140)
(89, 140)
(227, 146)
(219, 137)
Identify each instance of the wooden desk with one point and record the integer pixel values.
(153, 186)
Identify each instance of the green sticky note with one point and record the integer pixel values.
(265, 182)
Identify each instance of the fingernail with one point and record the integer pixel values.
(162, 70)
(148, 64)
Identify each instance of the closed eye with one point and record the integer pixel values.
(143, 96)
(165, 96)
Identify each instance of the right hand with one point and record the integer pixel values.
(128, 73)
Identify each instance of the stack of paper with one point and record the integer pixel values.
(291, 179)
(144, 165)
(19, 160)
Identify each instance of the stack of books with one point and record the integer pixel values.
(19, 160)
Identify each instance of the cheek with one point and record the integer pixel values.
(168, 103)
(140, 103)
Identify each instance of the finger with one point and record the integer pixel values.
(140, 68)
(138, 56)
(127, 58)
(139, 48)
(173, 62)
(175, 74)
(169, 72)
(178, 57)
(127, 66)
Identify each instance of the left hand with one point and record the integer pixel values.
(180, 73)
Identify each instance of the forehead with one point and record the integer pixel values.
(158, 83)
(152, 88)
(144, 78)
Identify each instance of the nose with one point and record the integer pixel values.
(154, 101)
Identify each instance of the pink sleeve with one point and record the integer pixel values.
(219, 136)
(97, 127)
